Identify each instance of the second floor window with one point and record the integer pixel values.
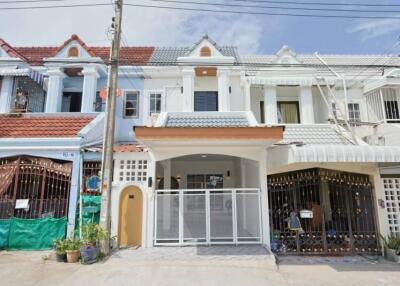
(155, 103)
(354, 114)
(131, 104)
(288, 112)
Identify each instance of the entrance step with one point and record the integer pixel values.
(240, 256)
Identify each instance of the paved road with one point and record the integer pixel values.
(133, 268)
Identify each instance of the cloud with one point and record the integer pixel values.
(376, 28)
(141, 26)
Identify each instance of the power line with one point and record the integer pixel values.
(259, 13)
(275, 7)
(321, 3)
(204, 10)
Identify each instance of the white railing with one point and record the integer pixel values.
(208, 216)
(383, 105)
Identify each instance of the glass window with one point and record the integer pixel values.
(155, 103)
(288, 112)
(354, 114)
(131, 104)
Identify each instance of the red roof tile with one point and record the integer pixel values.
(35, 55)
(25, 126)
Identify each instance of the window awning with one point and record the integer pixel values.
(289, 154)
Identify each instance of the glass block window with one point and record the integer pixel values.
(132, 170)
(392, 200)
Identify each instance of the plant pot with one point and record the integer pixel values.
(61, 257)
(90, 254)
(391, 255)
(72, 256)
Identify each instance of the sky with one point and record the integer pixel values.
(261, 34)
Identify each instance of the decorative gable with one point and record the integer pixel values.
(205, 48)
(286, 56)
(74, 47)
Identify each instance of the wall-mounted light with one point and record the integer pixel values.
(228, 173)
(182, 89)
(230, 89)
(150, 182)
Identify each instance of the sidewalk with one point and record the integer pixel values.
(172, 266)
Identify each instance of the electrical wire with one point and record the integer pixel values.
(275, 7)
(259, 13)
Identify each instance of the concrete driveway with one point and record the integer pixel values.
(196, 266)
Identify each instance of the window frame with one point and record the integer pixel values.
(130, 92)
(354, 121)
(155, 92)
(278, 106)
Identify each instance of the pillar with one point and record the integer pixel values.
(270, 105)
(54, 90)
(306, 105)
(89, 89)
(247, 98)
(223, 89)
(6, 90)
(167, 186)
(188, 89)
(265, 228)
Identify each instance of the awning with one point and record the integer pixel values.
(284, 155)
(14, 72)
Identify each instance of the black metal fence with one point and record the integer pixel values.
(335, 211)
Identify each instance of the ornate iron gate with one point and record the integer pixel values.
(43, 182)
(335, 210)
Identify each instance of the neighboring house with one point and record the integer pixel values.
(217, 148)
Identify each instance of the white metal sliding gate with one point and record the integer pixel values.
(207, 216)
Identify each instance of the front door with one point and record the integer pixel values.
(130, 217)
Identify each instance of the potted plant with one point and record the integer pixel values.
(392, 247)
(92, 234)
(59, 248)
(72, 249)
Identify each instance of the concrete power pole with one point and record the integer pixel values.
(109, 126)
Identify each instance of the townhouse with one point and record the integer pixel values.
(212, 147)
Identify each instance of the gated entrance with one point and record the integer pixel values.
(335, 210)
(208, 216)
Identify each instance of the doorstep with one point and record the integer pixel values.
(240, 256)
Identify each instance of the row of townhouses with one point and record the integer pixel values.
(211, 146)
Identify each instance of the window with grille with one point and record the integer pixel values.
(392, 200)
(133, 170)
(354, 114)
(131, 104)
(155, 103)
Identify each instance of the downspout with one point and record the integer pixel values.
(344, 85)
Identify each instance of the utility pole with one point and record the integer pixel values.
(109, 126)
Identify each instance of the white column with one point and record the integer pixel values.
(379, 194)
(265, 230)
(73, 195)
(223, 89)
(270, 105)
(89, 88)
(6, 94)
(306, 105)
(167, 186)
(54, 90)
(246, 94)
(188, 89)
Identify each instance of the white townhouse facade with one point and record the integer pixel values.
(214, 147)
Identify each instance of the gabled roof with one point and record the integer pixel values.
(30, 126)
(10, 50)
(76, 38)
(170, 55)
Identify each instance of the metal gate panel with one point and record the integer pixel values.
(343, 218)
(207, 216)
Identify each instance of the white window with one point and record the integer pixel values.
(354, 113)
(131, 104)
(155, 103)
(392, 200)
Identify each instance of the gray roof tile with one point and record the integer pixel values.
(207, 120)
(313, 135)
